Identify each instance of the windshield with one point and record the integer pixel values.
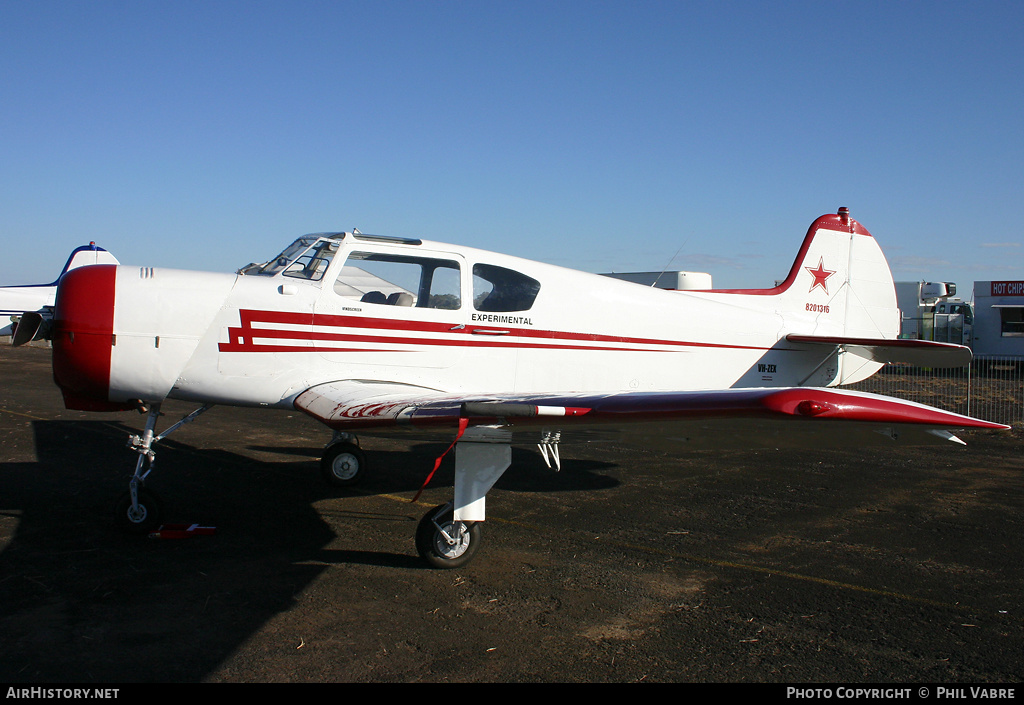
(275, 265)
(313, 261)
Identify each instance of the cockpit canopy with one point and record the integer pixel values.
(417, 279)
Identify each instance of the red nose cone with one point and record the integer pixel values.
(83, 335)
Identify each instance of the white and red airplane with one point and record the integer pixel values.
(28, 308)
(381, 335)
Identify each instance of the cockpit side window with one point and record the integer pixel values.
(500, 289)
(401, 280)
(314, 262)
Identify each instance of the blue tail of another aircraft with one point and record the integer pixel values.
(28, 308)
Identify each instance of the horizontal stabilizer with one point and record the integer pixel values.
(920, 353)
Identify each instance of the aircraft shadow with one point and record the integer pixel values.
(405, 470)
(80, 601)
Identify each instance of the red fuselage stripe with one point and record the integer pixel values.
(242, 338)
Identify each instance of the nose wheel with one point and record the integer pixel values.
(445, 543)
(139, 514)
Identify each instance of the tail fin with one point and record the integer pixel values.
(84, 255)
(840, 296)
(839, 291)
(30, 306)
(840, 284)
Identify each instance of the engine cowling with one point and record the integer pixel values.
(123, 335)
(83, 329)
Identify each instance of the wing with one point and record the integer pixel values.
(730, 418)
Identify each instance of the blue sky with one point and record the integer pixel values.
(599, 135)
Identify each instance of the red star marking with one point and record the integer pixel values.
(820, 275)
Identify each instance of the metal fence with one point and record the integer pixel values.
(991, 389)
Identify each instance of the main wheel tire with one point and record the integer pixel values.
(343, 464)
(138, 520)
(435, 549)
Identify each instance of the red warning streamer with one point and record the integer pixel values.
(463, 423)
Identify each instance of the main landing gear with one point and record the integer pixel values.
(448, 536)
(343, 464)
(445, 543)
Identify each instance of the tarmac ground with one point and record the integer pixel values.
(894, 565)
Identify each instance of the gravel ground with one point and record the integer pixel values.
(896, 566)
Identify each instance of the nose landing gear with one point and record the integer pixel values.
(139, 511)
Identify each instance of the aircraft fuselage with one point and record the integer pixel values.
(456, 319)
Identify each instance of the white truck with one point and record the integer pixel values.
(991, 324)
(918, 303)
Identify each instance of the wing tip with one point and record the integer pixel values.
(858, 406)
